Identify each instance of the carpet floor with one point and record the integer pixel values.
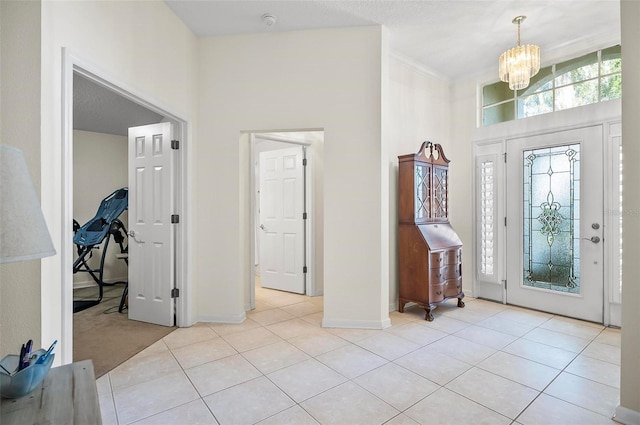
(107, 337)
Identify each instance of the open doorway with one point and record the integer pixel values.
(96, 140)
(286, 213)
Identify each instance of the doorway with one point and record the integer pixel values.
(73, 69)
(555, 211)
(292, 263)
(282, 212)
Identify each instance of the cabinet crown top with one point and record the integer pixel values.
(426, 154)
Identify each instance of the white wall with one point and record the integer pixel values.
(20, 127)
(99, 167)
(463, 121)
(630, 372)
(144, 47)
(324, 79)
(418, 111)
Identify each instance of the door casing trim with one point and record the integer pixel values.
(608, 115)
(73, 63)
(310, 288)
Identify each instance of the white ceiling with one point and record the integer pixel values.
(453, 39)
(98, 109)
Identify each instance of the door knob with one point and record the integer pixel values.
(594, 239)
(132, 233)
(263, 228)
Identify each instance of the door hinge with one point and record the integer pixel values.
(175, 293)
(304, 162)
(505, 222)
(175, 218)
(505, 157)
(505, 284)
(304, 269)
(175, 144)
(304, 216)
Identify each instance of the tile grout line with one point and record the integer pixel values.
(355, 343)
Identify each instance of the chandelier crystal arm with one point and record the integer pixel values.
(518, 64)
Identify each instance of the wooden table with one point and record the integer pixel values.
(67, 395)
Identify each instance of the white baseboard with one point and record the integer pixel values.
(626, 416)
(356, 324)
(615, 314)
(231, 319)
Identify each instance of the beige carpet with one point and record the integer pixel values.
(107, 337)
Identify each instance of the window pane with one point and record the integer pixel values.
(551, 217)
(498, 113)
(542, 81)
(495, 93)
(577, 95)
(591, 78)
(535, 104)
(423, 192)
(611, 87)
(611, 62)
(575, 70)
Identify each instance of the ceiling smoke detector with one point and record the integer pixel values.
(269, 19)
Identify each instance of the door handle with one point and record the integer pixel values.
(594, 239)
(132, 233)
(263, 228)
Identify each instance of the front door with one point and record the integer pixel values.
(554, 223)
(151, 233)
(281, 220)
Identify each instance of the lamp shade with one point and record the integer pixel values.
(23, 231)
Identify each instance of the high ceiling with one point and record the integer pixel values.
(453, 39)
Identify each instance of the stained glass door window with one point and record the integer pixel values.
(551, 189)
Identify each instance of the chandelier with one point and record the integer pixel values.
(518, 64)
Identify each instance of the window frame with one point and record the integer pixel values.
(516, 100)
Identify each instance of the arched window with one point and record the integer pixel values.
(592, 78)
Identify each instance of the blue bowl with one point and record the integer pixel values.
(21, 383)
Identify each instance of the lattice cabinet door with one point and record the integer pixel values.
(423, 186)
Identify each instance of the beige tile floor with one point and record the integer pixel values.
(484, 364)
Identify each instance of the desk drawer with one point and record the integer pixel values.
(451, 272)
(437, 276)
(453, 256)
(436, 259)
(452, 287)
(436, 293)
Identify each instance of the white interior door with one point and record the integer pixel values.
(281, 220)
(151, 233)
(555, 223)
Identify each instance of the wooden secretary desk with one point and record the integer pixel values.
(429, 250)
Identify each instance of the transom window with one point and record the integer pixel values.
(592, 78)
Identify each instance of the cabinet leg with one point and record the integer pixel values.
(401, 304)
(428, 316)
(460, 303)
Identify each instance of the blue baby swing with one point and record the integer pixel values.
(88, 237)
